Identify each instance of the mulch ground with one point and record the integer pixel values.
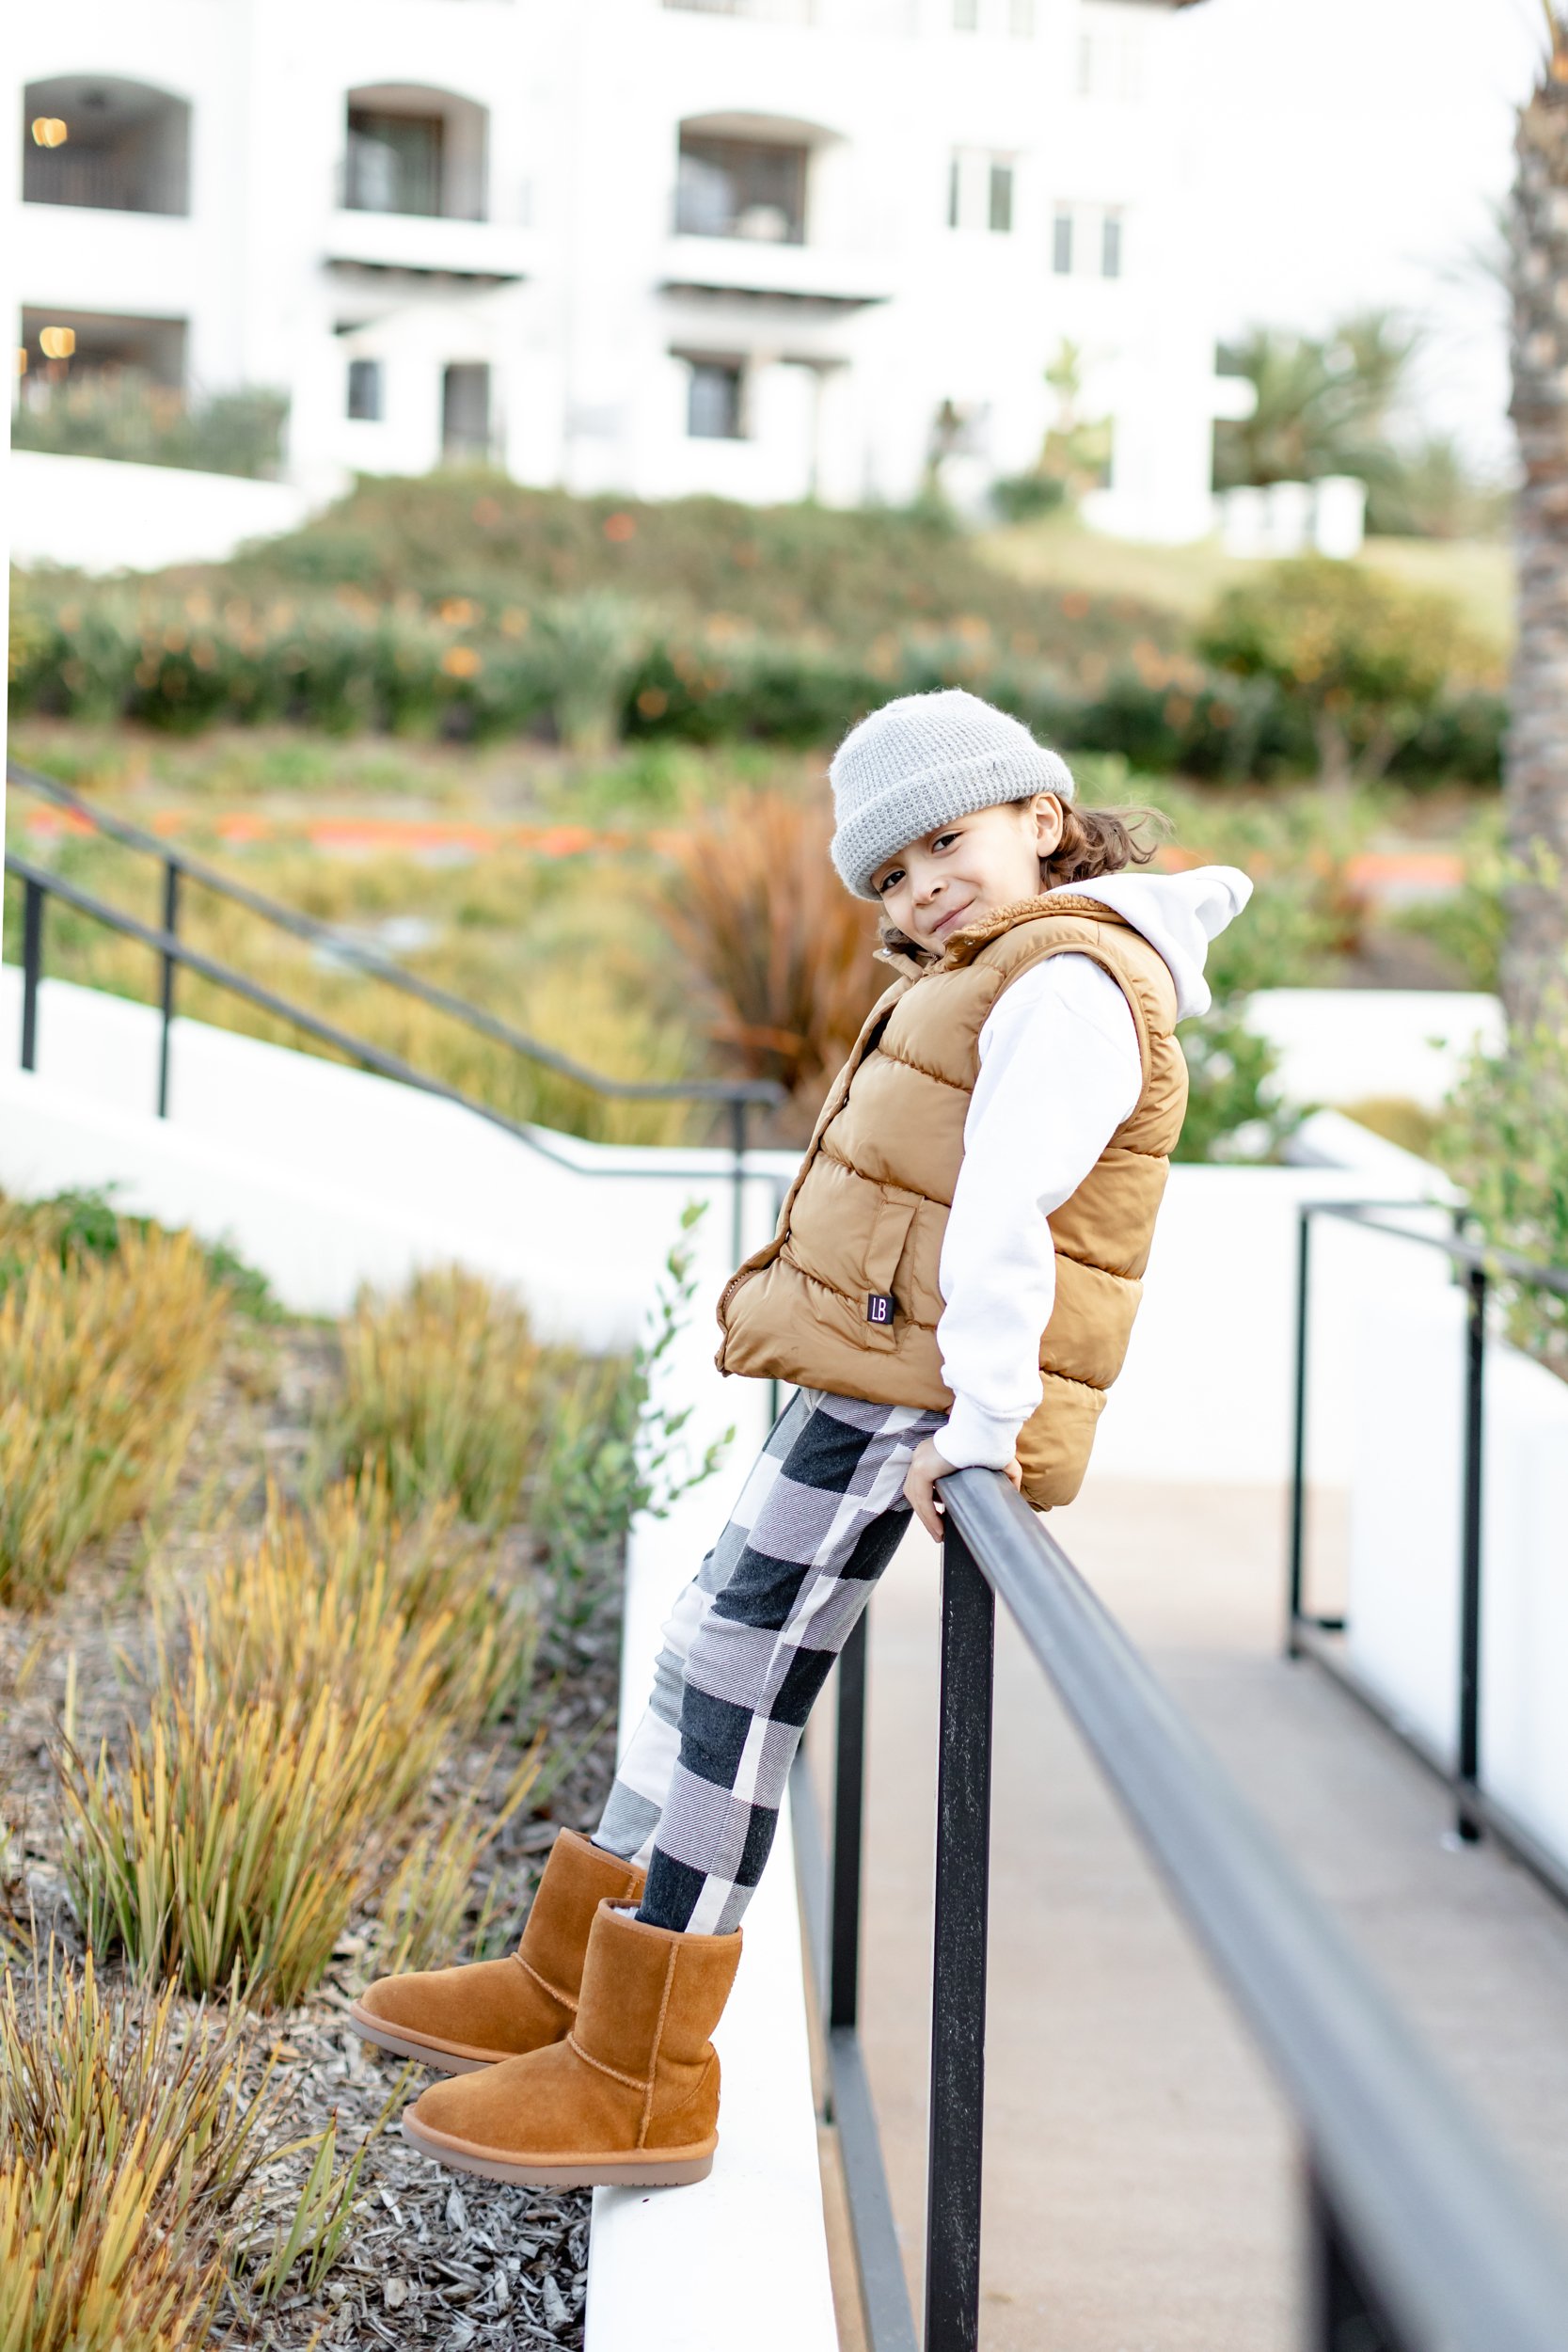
(430, 2259)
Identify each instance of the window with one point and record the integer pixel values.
(1021, 19)
(741, 189)
(966, 16)
(1000, 216)
(713, 401)
(980, 191)
(364, 391)
(466, 412)
(1061, 242)
(394, 162)
(1110, 246)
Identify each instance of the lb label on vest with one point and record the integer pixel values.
(878, 1307)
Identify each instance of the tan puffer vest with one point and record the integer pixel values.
(866, 1215)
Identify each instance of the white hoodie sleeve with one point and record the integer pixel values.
(1059, 1071)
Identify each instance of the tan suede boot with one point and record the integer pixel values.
(459, 2019)
(629, 2097)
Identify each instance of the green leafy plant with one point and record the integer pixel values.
(308, 2241)
(120, 412)
(617, 1448)
(589, 647)
(1234, 1107)
(1369, 662)
(1504, 1139)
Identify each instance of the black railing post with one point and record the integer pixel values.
(738, 1178)
(844, 1932)
(1298, 1443)
(1466, 1793)
(165, 996)
(32, 968)
(959, 1962)
(1340, 2315)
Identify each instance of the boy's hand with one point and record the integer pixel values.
(926, 1466)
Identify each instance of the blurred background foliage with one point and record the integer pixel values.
(619, 713)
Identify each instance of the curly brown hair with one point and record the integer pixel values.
(1094, 841)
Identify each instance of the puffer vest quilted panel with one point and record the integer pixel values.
(866, 1213)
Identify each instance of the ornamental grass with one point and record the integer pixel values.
(446, 1391)
(297, 1720)
(783, 950)
(128, 2136)
(561, 949)
(101, 1358)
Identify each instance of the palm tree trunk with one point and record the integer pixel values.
(1535, 785)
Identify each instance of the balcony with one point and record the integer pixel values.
(101, 144)
(804, 277)
(477, 252)
(899, 18)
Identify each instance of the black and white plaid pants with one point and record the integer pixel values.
(748, 1646)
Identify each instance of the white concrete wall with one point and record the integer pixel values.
(682, 2271)
(1405, 1369)
(571, 287)
(100, 515)
(1349, 1044)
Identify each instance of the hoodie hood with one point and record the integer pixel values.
(1177, 913)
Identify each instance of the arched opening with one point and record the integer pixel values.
(411, 149)
(743, 175)
(95, 139)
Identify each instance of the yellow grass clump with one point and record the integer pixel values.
(128, 2137)
(100, 1360)
(295, 1724)
(446, 1391)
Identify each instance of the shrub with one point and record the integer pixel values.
(122, 413)
(1022, 498)
(101, 1358)
(781, 948)
(1504, 1139)
(589, 646)
(844, 577)
(1468, 927)
(1369, 662)
(1233, 1109)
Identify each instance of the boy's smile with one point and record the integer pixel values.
(969, 868)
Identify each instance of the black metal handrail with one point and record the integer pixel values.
(1420, 2238)
(1308, 1632)
(39, 883)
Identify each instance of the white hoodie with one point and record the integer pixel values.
(1059, 1071)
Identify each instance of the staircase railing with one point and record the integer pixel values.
(1310, 1632)
(1418, 2238)
(39, 885)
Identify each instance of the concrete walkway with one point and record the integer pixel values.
(1141, 2184)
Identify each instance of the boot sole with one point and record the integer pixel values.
(411, 2045)
(675, 2168)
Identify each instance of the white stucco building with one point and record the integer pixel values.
(748, 246)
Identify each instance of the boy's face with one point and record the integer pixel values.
(969, 868)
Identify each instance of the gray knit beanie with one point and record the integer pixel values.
(921, 761)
